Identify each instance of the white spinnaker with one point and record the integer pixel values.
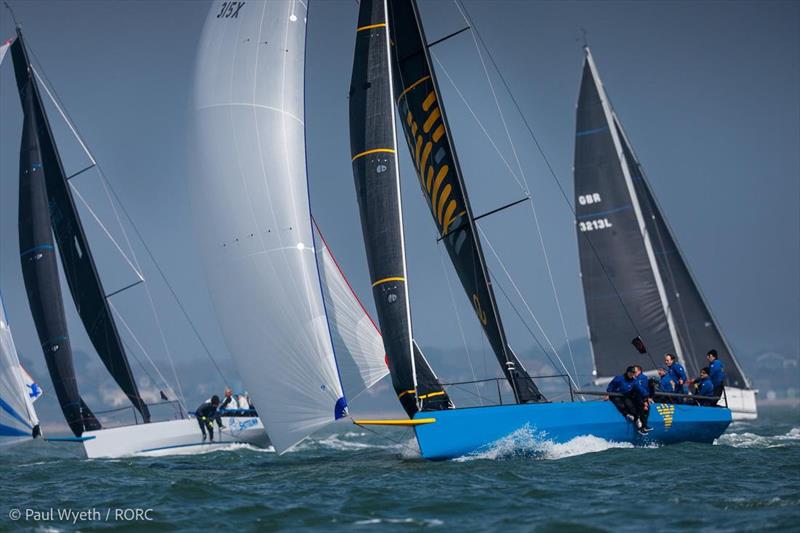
(17, 416)
(356, 338)
(252, 214)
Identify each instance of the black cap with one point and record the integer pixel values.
(713, 352)
(215, 400)
(631, 369)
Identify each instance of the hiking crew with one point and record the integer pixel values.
(716, 372)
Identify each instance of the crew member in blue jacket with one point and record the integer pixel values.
(665, 384)
(704, 387)
(623, 384)
(677, 372)
(642, 399)
(716, 371)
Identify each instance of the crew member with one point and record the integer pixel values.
(716, 371)
(206, 414)
(665, 384)
(704, 387)
(642, 399)
(676, 370)
(623, 384)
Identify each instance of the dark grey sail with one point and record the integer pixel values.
(76, 258)
(696, 328)
(619, 285)
(374, 154)
(40, 268)
(428, 135)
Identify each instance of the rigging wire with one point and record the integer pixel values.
(109, 187)
(103, 180)
(551, 170)
(458, 321)
(526, 190)
(525, 302)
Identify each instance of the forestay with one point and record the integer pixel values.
(252, 214)
(17, 415)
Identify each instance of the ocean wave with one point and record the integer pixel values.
(203, 449)
(419, 522)
(753, 440)
(527, 442)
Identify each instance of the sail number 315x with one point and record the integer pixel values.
(230, 10)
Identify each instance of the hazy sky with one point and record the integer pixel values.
(707, 91)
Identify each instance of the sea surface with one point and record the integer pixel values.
(351, 479)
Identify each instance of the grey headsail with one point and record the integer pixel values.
(616, 270)
(695, 325)
(76, 258)
(375, 169)
(432, 150)
(631, 267)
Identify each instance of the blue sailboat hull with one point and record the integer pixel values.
(460, 432)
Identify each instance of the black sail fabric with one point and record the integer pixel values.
(427, 133)
(696, 328)
(375, 170)
(76, 258)
(40, 264)
(615, 269)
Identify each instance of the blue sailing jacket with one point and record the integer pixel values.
(621, 384)
(706, 388)
(678, 373)
(666, 383)
(642, 387)
(716, 371)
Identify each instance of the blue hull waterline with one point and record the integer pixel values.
(460, 432)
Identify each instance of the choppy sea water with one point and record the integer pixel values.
(350, 479)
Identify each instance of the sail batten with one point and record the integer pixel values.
(427, 133)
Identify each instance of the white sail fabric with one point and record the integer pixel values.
(3, 49)
(252, 214)
(356, 339)
(17, 416)
(33, 390)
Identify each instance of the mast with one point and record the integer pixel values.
(433, 152)
(76, 257)
(373, 145)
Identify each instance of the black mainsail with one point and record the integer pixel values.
(427, 133)
(374, 155)
(40, 154)
(631, 265)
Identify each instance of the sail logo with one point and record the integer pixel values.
(428, 154)
(667, 411)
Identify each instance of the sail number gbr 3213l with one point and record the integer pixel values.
(592, 225)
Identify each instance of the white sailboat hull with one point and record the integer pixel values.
(171, 437)
(741, 402)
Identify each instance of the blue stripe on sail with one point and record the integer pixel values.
(10, 410)
(36, 249)
(601, 213)
(8, 431)
(591, 132)
(54, 340)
